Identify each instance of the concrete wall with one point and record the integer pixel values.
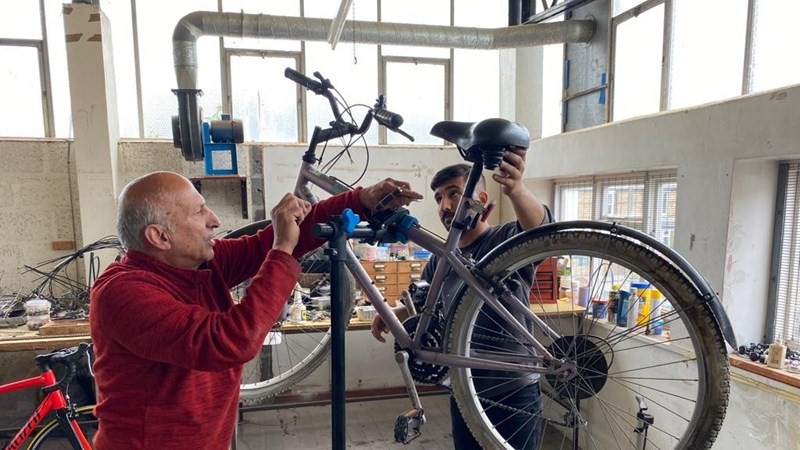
(36, 206)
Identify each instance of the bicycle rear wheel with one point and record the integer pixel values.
(292, 351)
(672, 356)
(52, 437)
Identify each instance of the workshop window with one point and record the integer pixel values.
(644, 201)
(784, 322)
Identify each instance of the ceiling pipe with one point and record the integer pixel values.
(187, 127)
(201, 23)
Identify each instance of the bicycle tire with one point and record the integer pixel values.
(691, 421)
(51, 436)
(287, 361)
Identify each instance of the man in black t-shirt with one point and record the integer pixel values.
(516, 391)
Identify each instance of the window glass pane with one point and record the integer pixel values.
(431, 12)
(637, 64)
(20, 19)
(119, 13)
(266, 103)
(621, 6)
(416, 91)
(476, 85)
(773, 63)
(575, 201)
(787, 301)
(357, 82)
(59, 78)
(290, 8)
(326, 9)
(552, 88)
(481, 14)
(623, 203)
(20, 86)
(663, 221)
(156, 21)
(707, 62)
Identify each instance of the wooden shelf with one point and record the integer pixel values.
(792, 379)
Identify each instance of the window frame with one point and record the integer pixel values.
(227, 87)
(652, 182)
(447, 63)
(48, 116)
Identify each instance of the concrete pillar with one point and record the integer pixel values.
(94, 118)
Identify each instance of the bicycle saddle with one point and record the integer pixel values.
(486, 133)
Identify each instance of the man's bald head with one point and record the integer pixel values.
(144, 201)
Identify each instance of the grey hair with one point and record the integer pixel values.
(134, 216)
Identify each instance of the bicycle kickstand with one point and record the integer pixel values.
(408, 425)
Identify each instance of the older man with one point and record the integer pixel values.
(170, 342)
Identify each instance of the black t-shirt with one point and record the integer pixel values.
(490, 383)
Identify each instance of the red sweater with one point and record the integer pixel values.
(170, 343)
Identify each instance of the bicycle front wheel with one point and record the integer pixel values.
(667, 355)
(292, 350)
(52, 437)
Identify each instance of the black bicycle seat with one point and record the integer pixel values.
(486, 133)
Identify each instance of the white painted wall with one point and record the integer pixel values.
(726, 155)
(416, 165)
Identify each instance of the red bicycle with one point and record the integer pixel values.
(71, 423)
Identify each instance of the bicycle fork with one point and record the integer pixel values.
(408, 425)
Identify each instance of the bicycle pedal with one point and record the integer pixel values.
(408, 425)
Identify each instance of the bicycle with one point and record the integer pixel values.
(73, 426)
(661, 381)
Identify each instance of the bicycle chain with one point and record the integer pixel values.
(520, 411)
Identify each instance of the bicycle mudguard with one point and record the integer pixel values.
(707, 292)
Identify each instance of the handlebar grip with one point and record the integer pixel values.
(303, 80)
(387, 118)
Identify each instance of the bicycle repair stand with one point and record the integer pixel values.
(336, 231)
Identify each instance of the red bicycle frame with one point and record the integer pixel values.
(53, 401)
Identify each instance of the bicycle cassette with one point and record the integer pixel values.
(422, 372)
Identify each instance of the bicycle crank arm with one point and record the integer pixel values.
(402, 360)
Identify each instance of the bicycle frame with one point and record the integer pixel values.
(55, 401)
(448, 251)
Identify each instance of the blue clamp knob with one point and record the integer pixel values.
(349, 220)
(404, 225)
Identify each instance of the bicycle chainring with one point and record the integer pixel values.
(422, 372)
(589, 362)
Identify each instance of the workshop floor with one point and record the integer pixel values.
(370, 426)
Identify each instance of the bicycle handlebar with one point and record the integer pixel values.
(312, 85)
(383, 116)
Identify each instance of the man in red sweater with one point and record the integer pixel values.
(170, 342)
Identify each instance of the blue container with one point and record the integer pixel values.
(623, 307)
(599, 309)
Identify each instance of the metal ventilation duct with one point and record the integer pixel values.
(202, 23)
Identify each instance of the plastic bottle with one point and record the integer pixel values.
(776, 358)
(623, 307)
(633, 307)
(613, 302)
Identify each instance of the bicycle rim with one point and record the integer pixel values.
(290, 352)
(682, 374)
(51, 436)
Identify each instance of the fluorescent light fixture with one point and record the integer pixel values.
(337, 25)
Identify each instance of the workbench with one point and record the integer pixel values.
(62, 334)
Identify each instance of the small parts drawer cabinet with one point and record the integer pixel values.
(392, 277)
(545, 285)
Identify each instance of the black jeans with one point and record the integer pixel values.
(522, 430)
